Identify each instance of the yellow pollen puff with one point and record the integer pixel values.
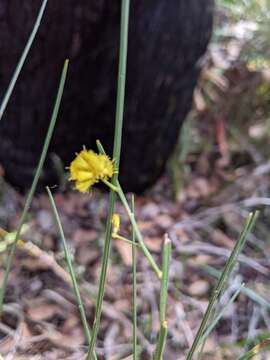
(89, 167)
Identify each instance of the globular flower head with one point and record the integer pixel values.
(89, 167)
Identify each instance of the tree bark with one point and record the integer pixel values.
(166, 41)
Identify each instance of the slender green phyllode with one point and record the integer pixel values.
(134, 287)
(35, 181)
(22, 59)
(137, 232)
(161, 341)
(166, 257)
(250, 222)
(71, 269)
(116, 156)
(220, 314)
(117, 188)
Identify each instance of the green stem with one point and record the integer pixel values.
(110, 185)
(22, 60)
(100, 147)
(222, 281)
(137, 232)
(116, 156)
(166, 257)
(161, 341)
(118, 189)
(134, 287)
(70, 268)
(35, 181)
(122, 238)
(210, 328)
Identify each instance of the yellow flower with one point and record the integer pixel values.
(115, 223)
(88, 168)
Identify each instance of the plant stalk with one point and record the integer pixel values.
(116, 156)
(166, 257)
(22, 60)
(222, 281)
(134, 287)
(34, 183)
(71, 270)
(137, 232)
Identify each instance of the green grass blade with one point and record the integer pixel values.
(35, 181)
(134, 287)
(71, 269)
(222, 281)
(22, 59)
(116, 156)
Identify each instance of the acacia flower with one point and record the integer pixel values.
(115, 224)
(89, 168)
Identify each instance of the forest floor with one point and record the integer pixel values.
(217, 176)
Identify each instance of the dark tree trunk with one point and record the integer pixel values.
(167, 38)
